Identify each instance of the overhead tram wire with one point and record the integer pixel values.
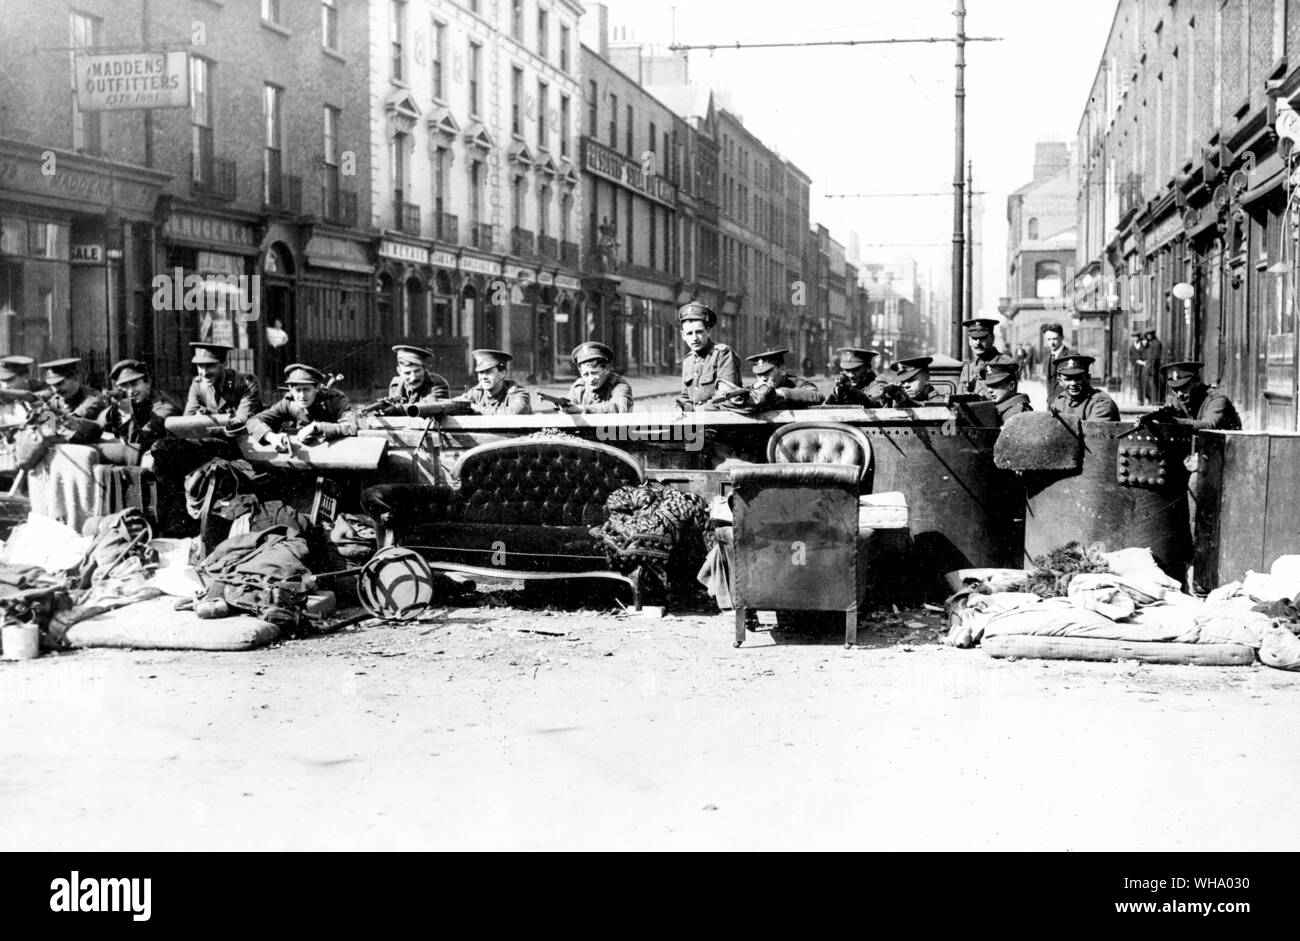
(960, 39)
(713, 47)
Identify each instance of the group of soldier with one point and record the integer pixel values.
(311, 411)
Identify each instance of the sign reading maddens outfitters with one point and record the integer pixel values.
(126, 80)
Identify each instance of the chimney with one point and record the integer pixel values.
(594, 29)
(1050, 158)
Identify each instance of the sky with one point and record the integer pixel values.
(879, 118)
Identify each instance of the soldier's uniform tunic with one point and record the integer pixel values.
(145, 424)
(612, 395)
(1094, 406)
(702, 372)
(434, 389)
(331, 411)
(513, 399)
(236, 395)
(1015, 404)
(971, 379)
(1211, 408)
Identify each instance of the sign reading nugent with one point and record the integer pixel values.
(122, 81)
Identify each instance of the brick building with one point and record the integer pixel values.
(1183, 181)
(1041, 245)
(231, 182)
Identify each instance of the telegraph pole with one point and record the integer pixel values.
(969, 307)
(958, 236)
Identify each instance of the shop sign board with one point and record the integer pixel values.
(123, 81)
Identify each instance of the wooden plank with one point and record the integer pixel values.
(354, 453)
(1033, 647)
(1282, 521)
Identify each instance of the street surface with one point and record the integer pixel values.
(500, 728)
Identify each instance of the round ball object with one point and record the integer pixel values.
(396, 585)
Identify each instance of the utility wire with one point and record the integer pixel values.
(712, 47)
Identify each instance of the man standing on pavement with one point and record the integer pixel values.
(496, 393)
(217, 390)
(1192, 402)
(979, 334)
(1155, 355)
(1078, 399)
(1054, 340)
(1138, 367)
(708, 367)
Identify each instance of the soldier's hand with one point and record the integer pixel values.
(309, 433)
(574, 410)
(282, 443)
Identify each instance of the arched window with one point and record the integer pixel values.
(1047, 279)
(1033, 229)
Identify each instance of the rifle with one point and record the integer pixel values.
(11, 396)
(560, 401)
(381, 405)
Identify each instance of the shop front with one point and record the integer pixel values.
(336, 326)
(75, 265)
(211, 262)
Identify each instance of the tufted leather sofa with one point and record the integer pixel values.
(520, 507)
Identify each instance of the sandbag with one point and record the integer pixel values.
(1039, 441)
(1280, 649)
(155, 625)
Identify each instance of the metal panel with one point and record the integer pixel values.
(1282, 519)
(1244, 508)
(1091, 506)
(964, 512)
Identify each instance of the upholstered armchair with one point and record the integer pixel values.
(802, 528)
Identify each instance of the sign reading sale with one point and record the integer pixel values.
(122, 81)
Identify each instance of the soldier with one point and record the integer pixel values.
(1002, 383)
(78, 403)
(318, 413)
(598, 389)
(218, 391)
(15, 374)
(138, 417)
(496, 393)
(414, 383)
(1054, 337)
(1078, 399)
(853, 384)
(776, 388)
(15, 378)
(1194, 403)
(709, 367)
(913, 377)
(979, 333)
